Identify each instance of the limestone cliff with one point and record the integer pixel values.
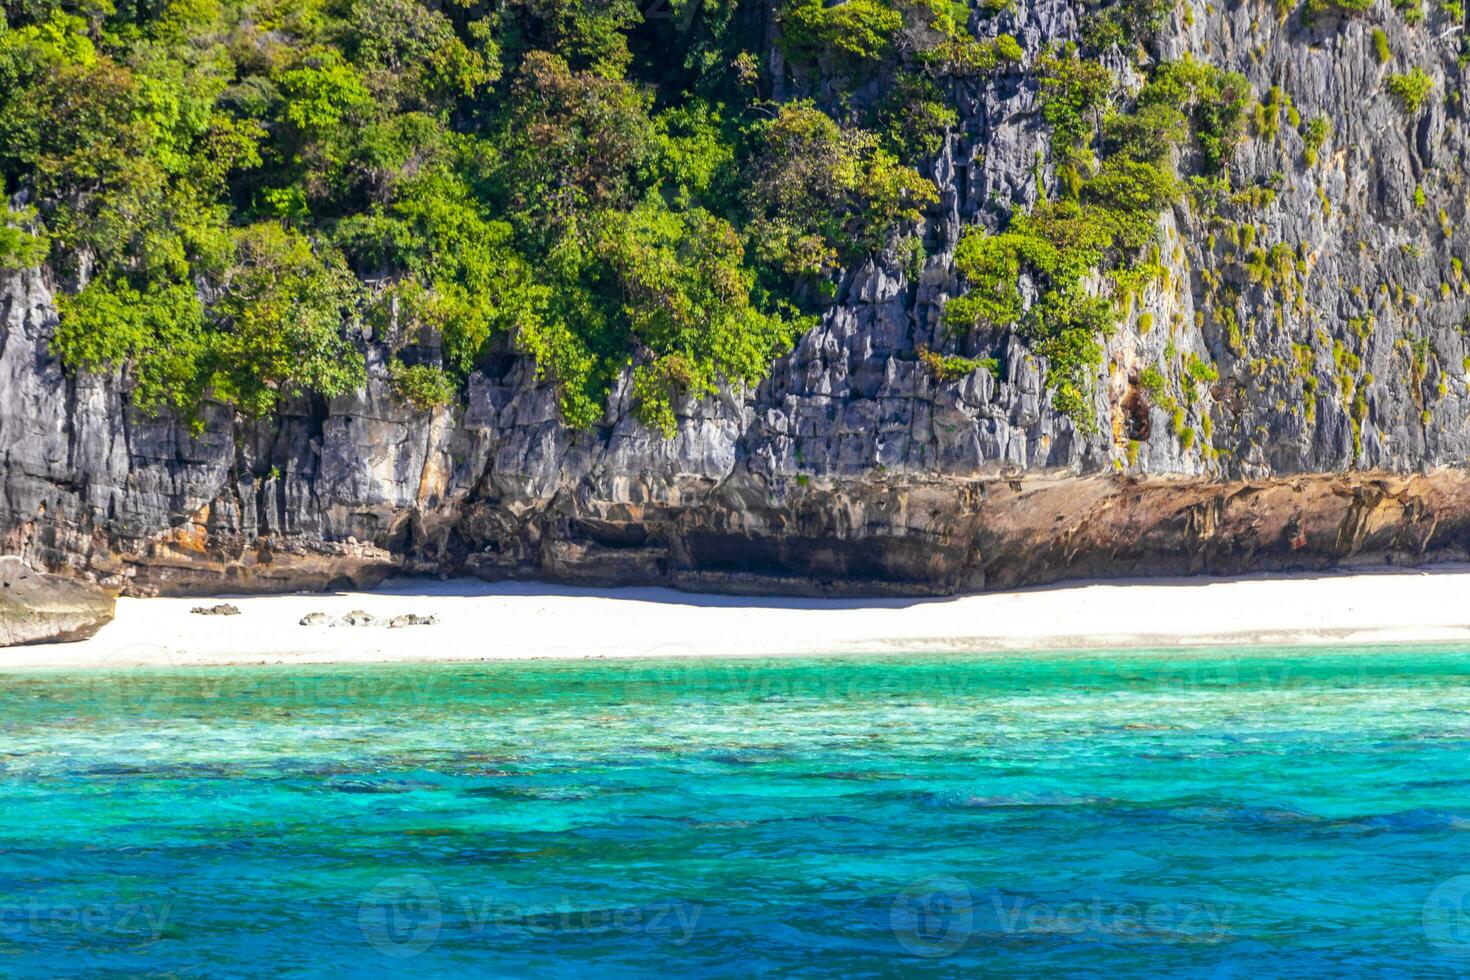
(1331, 422)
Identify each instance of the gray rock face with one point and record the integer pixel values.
(1331, 306)
(39, 608)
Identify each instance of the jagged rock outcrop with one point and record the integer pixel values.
(40, 608)
(1333, 424)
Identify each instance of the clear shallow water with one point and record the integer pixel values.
(1210, 813)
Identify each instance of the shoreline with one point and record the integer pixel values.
(527, 620)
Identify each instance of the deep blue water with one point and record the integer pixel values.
(1137, 814)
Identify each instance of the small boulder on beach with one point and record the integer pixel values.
(221, 609)
(359, 617)
(412, 619)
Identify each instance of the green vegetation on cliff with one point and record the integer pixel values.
(1115, 175)
(233, 195)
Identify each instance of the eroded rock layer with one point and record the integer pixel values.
(40, 608)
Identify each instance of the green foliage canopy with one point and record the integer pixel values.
(233, 196)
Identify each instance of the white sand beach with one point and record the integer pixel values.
(478, 620)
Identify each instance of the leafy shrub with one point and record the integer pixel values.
(1411, 10)
(945, 368)
(1381, 49)
(1059, 243)
(915, 117)
(1215, 102)
(574, 141)
(823, 194)
(1124, 24)
(1411, 89)
(856, 31)
(1339, 6)
(1201, 371)
(1073, 90)
(162, 330)
(20, 249)
(963, 55)
(687, 300)
(279, 317)
(423, 386)
(1313, 136)
(1151, 380)
(273, 331)
(856, 37)
(460, 274)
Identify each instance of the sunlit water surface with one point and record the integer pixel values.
(1265, 813)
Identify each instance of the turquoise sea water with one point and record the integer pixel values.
(1215, 813)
